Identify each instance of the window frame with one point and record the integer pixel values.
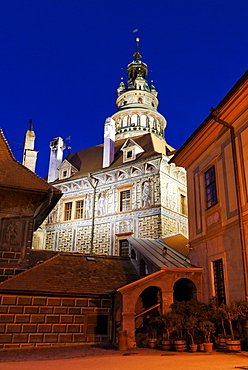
(120, 245)
(73, 210)
(80, 209)
(183, 205)
(121, 190)
(219, 286)
(68, 211)
(210, 187)
(129, 154)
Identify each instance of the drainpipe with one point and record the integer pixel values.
(238, 195)
(90, 178)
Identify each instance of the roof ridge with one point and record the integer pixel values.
(7, 144)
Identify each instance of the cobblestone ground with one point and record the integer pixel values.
(54, 353)
(92, 358)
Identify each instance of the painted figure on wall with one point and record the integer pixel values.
(147, 194)
(88, 206)
(101, 205)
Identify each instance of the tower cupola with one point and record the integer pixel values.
(137, 103)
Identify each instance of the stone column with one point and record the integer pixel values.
(167, 300)
(128, 324)
(128, 316)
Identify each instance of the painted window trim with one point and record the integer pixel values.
(122, 189)
(74, 209)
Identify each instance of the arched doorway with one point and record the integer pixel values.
(148, 306)
(184, 290)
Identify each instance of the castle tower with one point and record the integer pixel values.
(137, 103)
(29, 154)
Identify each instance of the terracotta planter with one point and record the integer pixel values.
(201, 347)
(208, 347)
(152, 343)
(233, 345)
(167, 345)
(193, 347)
(180, 345)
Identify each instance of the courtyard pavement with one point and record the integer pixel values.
(91, 358)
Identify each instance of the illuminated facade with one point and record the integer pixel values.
(122, 188)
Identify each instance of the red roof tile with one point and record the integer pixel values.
(15, 175)
(73, 274)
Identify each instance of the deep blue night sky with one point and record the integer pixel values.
(62, 60)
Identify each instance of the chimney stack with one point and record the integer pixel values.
(29, 154)
(109, 142)
(57, 146)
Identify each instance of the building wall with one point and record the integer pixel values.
(214, 231)
(151, 216)
(34, 321)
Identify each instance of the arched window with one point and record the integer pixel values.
(184, 290)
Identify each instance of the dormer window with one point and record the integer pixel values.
(66, 170)
(130, 150)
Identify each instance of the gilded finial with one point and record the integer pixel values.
(137, 54)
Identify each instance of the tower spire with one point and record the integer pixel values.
(137, 54)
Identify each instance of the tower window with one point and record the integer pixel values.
(67, 211)
(210, 185)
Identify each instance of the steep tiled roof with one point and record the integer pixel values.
(73, 274)
(15, 176)
(178, 242)
(153, 250)
(91, 159)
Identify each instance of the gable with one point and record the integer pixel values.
(131, 150)
(66, 169)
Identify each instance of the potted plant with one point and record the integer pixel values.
(233, 312)
(180, 342)
(152, 329)
(207, 328)
(191, 326)
(218, 316)
(168, 327)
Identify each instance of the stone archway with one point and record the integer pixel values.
(166, 282)
(148, 306)
(184, 290)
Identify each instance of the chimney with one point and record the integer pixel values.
(29, 154)
(109, 142)
(57, 146)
